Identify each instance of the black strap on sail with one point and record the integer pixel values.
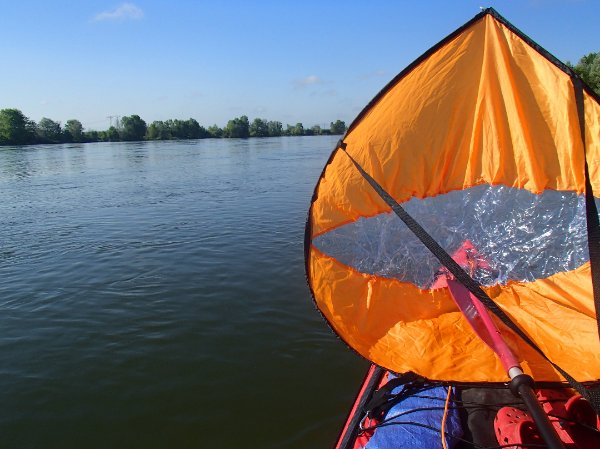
(593, 396)
(591, 211)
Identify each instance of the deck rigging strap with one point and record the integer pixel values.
(592, 395)
(383, 399)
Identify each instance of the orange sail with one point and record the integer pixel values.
(485, 138)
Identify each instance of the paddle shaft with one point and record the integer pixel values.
(521, 384)
(481, 322)
(543, 424)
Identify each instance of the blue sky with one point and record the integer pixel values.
(293, 61)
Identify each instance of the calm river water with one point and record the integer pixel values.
(152, 295)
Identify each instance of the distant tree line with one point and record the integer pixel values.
(17, 129)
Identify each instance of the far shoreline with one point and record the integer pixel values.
(16, 129)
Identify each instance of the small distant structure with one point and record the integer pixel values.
(117, 121)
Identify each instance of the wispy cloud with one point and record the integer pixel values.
(125, 11)
(310, 80)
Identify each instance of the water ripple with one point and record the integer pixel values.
(151, 294)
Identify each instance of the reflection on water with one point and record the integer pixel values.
(152, 295)
(15, 164)
(41, 160)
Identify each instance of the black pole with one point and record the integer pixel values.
(522, 387)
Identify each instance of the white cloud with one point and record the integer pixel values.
(308, 81)
(125, 11)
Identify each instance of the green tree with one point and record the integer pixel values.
(133, 128)
(215, 131)
(74, 128)
(259, 128)
(297, 130)
(237, 128)
(316, 130)
(337, 127)
(202, 133)
(153, 130)
(186, 129)
(112, 135)
(175, 128)
(275, 129)
(158, 130)
(49, 131)
(15, 128)
(91, 136)
(588, 68)
(193, 130)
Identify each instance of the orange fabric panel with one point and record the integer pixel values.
(402, 328)
(592, 140)
(343, 196)
(483, 108)
(558, 314)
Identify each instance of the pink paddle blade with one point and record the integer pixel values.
(473, 310)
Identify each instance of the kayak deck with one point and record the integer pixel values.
(407, 411)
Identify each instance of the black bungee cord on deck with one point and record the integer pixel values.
(462, 405)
